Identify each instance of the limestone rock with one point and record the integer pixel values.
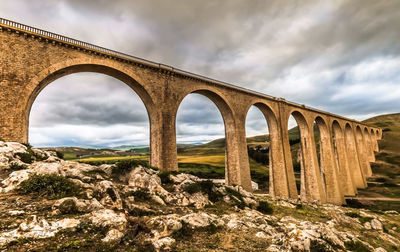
(163, 226)
(376, 224)
(108, 218)
(70, 205)
(199, 200)
(47, 168)
(37, 229)
(146, 179)
(108, 194)
(113, 235)
(164, 243)
(14, 180)
(197, 220)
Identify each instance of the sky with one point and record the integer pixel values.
(338, 56)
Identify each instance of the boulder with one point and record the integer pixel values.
(200, 219)
(162, 226)
(108, 218)
(145, 178)
(14, 180)
(108, 194)
(36, 228)
(164, 243)
(376, 224)
(113, 235)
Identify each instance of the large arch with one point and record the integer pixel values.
(328, 165)
(355, 162)
(57, 71)
(369, 145)
(278, 181)
(311, 187)
(363, 152)
(374, 139)
(234, 174)
(341, 154)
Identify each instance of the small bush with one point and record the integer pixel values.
(205, 187)
(16, 166)
(139, 195)
(356, 246)
(26, 157)
(60, 154)
(125, 166)
(165, 177)
(50, 186)
(265, 207)
(352, 214)
(361, 218)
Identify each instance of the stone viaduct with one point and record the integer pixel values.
(31, 59)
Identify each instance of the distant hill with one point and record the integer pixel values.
(390, 125)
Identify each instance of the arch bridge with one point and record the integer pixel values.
(32, 58)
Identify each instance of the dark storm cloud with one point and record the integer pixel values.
(340, 56)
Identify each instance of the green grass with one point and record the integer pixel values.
(50, 186)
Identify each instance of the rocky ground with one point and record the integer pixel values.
(47, 203)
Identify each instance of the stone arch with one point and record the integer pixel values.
(328, 165)
(311, 187)
(341, 155)
(369, 145)
(47, 76)
(374, 139)
(353, 158)
(363, 152)
(277, 170)
(233, 173)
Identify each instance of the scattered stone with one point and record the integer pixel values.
(164, 243)
(375, 224)
(108, 218)
(113, 235)
(16, 212)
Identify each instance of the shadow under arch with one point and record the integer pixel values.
(328, 165)
(355, 162)
(276, 166)
(232, 169)
(341, 156)
(304, 135)
(151, 110)
(368, 145)
(363, 152)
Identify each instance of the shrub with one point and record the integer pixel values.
(265, 207)
(165, 177)
(50, 186)
(15, 166)
(26, 157)
(139, 194)
(60, 154)
(356, 215)
(356, 246)
(124, 166)
(352, 214)
(205, 187)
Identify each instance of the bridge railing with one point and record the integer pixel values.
(76, 42)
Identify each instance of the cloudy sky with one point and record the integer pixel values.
(339, 56)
